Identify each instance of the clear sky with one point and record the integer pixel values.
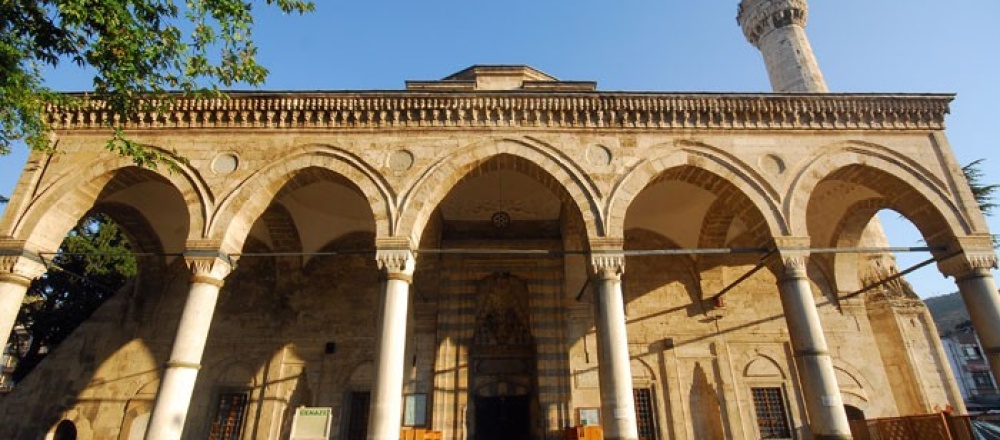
(861, 45)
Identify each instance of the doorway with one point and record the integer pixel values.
(503, 418)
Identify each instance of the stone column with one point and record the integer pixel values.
(208, 270)
(971, 270)
(617, 404)
(387, 393)
(17, 269)
(824, 405)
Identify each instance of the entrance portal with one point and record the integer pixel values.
(502, 367)
(503, 418)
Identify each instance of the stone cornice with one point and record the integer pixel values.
(528, 110)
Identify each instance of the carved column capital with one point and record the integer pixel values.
(792, 257)
(208, 265)
(758, 17)
(18, 264)
(968, 263)
(607, 261)
(607, 265)
(395, 257)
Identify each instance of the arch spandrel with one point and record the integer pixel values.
(436, 182)
(66, 198)
(921, 186)
(729, 169)
(241, 207)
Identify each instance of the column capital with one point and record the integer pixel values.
(791, 257)
(607, 265)
(395, 257)
(758, 17)
(207, 263)
(18, 263)
(607, 260)
(968, 263)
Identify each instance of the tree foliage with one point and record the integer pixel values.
(136, 48)
(983, 192)
(93, 262)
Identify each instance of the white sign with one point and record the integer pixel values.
(312, 423)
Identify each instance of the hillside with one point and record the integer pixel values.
(948, 311)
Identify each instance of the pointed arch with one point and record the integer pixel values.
(59, 205)
(240, 208)
(909, 188)
(726, 168)
(431, 188)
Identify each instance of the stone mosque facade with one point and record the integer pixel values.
(503, 254)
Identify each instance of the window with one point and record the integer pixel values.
(415, 410)
(772, 418)
(982, 380)
(230, 413)
(644, 416)
(972, 352)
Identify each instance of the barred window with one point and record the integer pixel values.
(230, 413)
(645, 418)
(772, 418)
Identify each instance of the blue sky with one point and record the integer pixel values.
(861, 45)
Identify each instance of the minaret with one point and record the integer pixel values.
(778, 29)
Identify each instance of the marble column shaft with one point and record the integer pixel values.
(173, 398)
(824, 405)
(17, 270)
(979, 292)
(387, 389)
(617, 401)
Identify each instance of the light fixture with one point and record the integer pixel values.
(500, 219)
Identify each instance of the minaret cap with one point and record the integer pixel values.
(758, 17)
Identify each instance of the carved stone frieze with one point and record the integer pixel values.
(410, 110)
(758, 17)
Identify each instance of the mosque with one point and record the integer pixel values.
(501, 254)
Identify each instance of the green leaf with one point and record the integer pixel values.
(137, 51)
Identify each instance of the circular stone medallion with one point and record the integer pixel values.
(225, 163)
(401, 160)
(772, 164)
(598, 155)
